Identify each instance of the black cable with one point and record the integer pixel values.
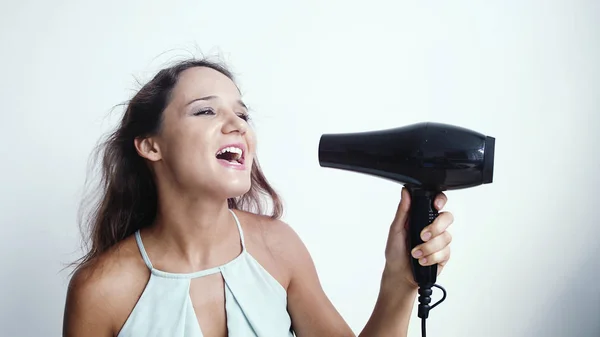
(424, 307)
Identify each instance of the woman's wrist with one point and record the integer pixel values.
(397, 289)
(394, 307)
(393, 279)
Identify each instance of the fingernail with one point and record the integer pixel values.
(426, 236)
(417, 253)
(423, 261)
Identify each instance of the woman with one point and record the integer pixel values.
(180, 246)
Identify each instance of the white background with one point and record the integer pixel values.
(525, 249)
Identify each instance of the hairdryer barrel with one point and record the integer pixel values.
(427, 158)
(430, 156)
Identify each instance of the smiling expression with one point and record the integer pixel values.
(205, 142)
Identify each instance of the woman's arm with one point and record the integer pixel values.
(393, 310)
(313, 315)
(87, 312)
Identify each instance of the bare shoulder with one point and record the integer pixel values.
(102, 293)
(311, 311)
(274, 243)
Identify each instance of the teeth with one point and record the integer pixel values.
(231, 149)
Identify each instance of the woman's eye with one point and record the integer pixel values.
(210, 111)
(204, 112)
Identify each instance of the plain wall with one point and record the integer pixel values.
(525, 252)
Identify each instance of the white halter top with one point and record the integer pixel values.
(255, 303)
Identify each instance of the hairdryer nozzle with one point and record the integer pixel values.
(488, 160)
(431, 156)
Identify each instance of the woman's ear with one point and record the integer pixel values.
(147, 148)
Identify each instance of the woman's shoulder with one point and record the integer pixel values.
(102, 290)
(115, 266)
(271, 233)
(274, 243)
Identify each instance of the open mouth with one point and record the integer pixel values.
(231, 154)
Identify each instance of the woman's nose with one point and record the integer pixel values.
(234, 123)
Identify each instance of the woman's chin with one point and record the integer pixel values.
(236, 190)
(222, 188)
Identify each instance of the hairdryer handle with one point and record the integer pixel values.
(422, 213)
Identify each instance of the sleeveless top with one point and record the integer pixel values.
(255, 302)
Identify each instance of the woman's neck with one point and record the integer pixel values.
(192, 229)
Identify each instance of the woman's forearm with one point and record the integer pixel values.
(392, 311)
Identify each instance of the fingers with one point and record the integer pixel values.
(440, 257)
(437, 239)
(440, 201)
(436, 250)
(438, 226)
(400, 219)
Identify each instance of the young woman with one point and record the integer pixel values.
(180, 246)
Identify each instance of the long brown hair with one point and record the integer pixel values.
(127, 198)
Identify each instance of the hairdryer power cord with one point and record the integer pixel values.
(424, 307)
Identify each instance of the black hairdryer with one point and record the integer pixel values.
(427, 158)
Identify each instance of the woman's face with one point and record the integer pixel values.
(205, 144)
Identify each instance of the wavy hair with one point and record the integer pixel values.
(127, 193)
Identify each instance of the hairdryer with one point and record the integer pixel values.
(427, 158)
